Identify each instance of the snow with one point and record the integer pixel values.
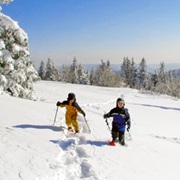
(31, 148)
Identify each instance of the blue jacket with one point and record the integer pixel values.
(121, 117)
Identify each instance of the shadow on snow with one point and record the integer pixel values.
(27, 126)
(155, 106)
(64, 144)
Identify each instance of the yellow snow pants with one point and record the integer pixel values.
(72, 121)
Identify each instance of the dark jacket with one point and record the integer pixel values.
(120, 116)
(71, 108)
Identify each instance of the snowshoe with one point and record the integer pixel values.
(111, 143)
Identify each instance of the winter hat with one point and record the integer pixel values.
(71, 96)
(120, 100)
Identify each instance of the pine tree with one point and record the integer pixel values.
(73, 75)
(104, 76)
(173, 84)
(42, 70)
(161, 73)
(77, 73)
(126, 71)
(17, 72)
(142, 74)
(52, 73)
(133, 74)
(64, 73)
(83, 76)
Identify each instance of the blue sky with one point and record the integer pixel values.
(91, 30)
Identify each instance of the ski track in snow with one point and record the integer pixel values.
(76, 159)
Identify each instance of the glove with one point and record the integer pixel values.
(128, 126)
(58, 103)
(105, 116)
(83, 113)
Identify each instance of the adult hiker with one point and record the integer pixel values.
(72, 109)
(121, 117)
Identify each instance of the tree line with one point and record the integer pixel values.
(130, 75)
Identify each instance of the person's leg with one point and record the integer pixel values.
(68, 122)
(75, 124)
(114, 133)
(121, 138)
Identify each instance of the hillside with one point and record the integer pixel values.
(31, 148)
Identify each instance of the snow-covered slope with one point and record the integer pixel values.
(31, 148)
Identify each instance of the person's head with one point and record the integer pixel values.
(120, 102)
(71, 96)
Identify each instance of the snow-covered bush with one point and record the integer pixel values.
(17, 72)
(5, 1)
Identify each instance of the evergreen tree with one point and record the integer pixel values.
(64, 73)
(142, 74)
(161, 73)
(173, 84)
(104, 76)
(77, 73)
(126, 71)
(73, 75)
(92, 77)
(17, 72)
(52, 73)
(42, 70)
(83, 76)
(133, 74)
(153, 81)
(161, 79)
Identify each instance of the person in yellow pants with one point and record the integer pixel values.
(72, 109)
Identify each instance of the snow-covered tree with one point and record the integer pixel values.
(5, 1)
(52, 73)
(42, 70)
(142, 74)
(77, 73)
(17, 72)
(133, 74)
(64, 73)
(129, 72)
(104, 76)
(73, 74)
(172, 84)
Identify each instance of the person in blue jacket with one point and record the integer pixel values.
(121, 118)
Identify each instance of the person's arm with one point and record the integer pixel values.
(109, 114)
(76, 105)
(128, 119)
(61, 104)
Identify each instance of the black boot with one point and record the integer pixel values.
(122, 140)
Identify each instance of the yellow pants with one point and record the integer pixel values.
(72, 121)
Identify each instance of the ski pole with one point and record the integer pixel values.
(55, 116)
(108, 125)
(87, 124)
(130, 137)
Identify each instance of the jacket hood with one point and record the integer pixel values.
(71, 96)
(120, 100)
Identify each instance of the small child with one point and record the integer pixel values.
(72, 109)
(121, 117)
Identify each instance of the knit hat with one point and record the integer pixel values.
(120, 100)
(71, 96)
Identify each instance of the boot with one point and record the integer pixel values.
(122, 140)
